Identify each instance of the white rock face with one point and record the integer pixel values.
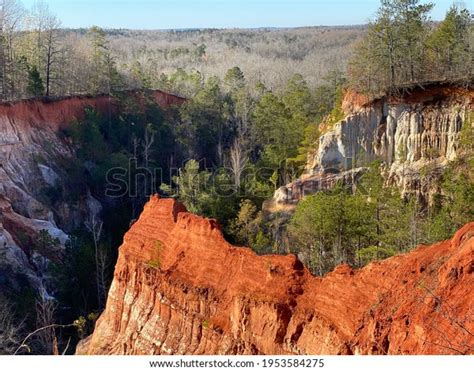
(406, 137)
(405, 134)
(49, 175)
(94, 207)
(13, 261)
(29, 152)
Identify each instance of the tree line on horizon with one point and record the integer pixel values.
(400, 46)
(40, 58)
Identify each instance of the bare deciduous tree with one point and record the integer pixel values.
(148, 143)
(45, 308)
(12, 14)
(94, 226)
(52, 49)
(9, 330)
(238, 160)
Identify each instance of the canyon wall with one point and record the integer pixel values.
(416, 131)
(180, 288)
(33, 156)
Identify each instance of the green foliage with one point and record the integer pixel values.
(74, 277)
(318, 229)
(80, 325)
(35, 82)
(185, 83)
(277, 131)
(392, 214)
(373, 253)
(455, 203)
(262, 243)
(337, 113)
(309, 144)
(308, 110)
(104, 76)
(401, 47)
(85, 324)
(329, 228)
(154, 263)
(86, 134)
(140, 75)
(205, 125)
(248, 228)
(205, 193)
(192, 187)
(328, 96)
(234, 79)
(393, 51)
(45, 244)
(466, 136)
(449, 44)
(297, 97)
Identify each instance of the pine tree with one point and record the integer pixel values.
(35, 82)
(104, 77)
(234, 79)
(192, 187)
(393, 51)
(449, 46)
(411, 18)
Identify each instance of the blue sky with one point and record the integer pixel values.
(166, 14)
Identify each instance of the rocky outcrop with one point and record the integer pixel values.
(180, 288)
(416, 131)
(32, 158)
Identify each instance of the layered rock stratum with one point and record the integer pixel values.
(413, 133)
(180, 288)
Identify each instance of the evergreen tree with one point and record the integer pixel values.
(411, 21)
(248, 228)
(104, 76)
(35, 82)
(393, 51)
(449, 45)
(453, 205)
(88, 137)
(318, 230)
(390, 218)
(142, 78)
(205, 131)
(234, 79)
(192, 187)
(297, 97)
(338, 226)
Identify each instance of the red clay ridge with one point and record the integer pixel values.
(180, 288)
(55, 113)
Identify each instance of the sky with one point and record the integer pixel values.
(178, 14)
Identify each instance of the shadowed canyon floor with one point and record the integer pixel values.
(180, 288)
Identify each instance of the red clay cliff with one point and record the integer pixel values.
(180, 288)
(56, 112)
